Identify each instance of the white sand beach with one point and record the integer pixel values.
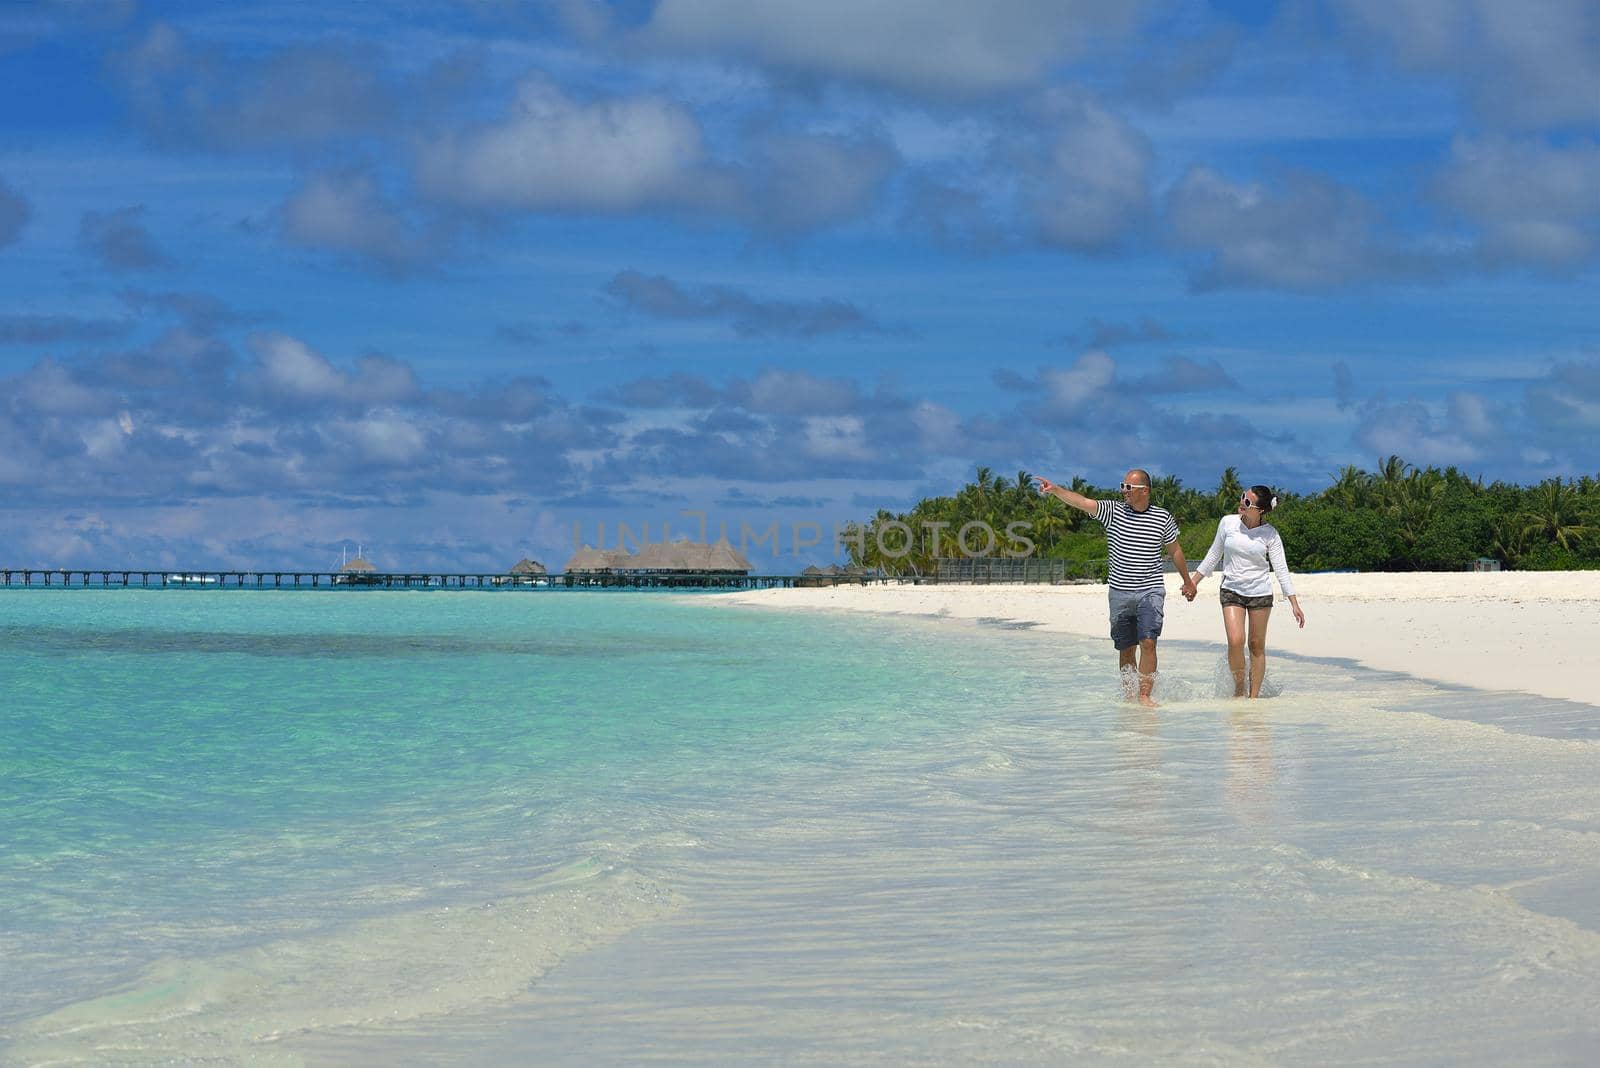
(1533, 632)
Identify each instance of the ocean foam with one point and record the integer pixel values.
(392, 970)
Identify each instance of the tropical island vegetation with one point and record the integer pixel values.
(1398, 518)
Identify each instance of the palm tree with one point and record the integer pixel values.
(1050, 525)
(984, 485)
(1392, 469)
(856, 539)
(1412, 502)
(1390, 482)
(999, 503)
(1510, 541)
(1556, 514)
(1229, 491)
(1026, 493)
(1351, 488)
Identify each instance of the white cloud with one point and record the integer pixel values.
(1311, 234)
(386, 438)
(942, 49)
(52, 389)
(790, 392)
(938, 426)
(1070, 389)
(289, 366)
(556, 153)
(183, 93)
(1412, 431)
(381, 380)
(103, 439)
(348, 212)
(1566, 402)
(1474, 418)
(1524, 65)
(1090, 184)
(1536, 203)
(839, 437)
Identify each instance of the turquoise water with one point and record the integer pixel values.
(418, 827)
(189, 771)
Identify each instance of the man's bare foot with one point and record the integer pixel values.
(1147, 686)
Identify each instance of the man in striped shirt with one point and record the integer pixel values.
(1137, 532)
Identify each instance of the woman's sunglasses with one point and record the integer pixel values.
(1247, 502)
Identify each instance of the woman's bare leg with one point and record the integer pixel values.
(1258, 648)
(1233, 623)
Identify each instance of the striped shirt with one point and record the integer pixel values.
(1135, 541)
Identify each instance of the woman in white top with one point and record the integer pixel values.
(1251, 553)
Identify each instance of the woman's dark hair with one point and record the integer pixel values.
(1266, 500)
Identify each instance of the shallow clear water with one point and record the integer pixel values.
(422, 827)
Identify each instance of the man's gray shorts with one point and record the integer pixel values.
(1136, 616)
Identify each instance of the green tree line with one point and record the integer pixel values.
(1397, 518)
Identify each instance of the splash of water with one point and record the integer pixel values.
(1164, 687)
(1223, 681)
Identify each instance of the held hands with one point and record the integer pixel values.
(1191, 586)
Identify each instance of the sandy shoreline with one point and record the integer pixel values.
(1533, 632)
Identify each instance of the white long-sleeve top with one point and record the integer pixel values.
(1249, 556)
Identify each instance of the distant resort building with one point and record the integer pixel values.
(587, 561)
(832, 575)
(525, 572)
(356, 571)
(661, 558)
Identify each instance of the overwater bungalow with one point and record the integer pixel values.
(591, 561)
(665, 559)
(525, 572)
(357, 571)
(668, 557)
(831, 575)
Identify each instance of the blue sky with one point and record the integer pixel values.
(449, 280)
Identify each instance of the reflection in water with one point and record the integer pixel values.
(1251, 773)
(1139, 767)
(1138, 727)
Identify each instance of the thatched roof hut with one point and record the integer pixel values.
(528, 567)
(588, 559)
(824, 576)
(691, 557)
(724, 557)
(657, 556)
(357, 564)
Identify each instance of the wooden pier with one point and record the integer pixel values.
(153, 578)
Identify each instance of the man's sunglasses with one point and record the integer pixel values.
(1126, 486)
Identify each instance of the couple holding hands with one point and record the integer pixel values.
(1247, 548)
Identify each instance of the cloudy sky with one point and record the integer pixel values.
(446, 279)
